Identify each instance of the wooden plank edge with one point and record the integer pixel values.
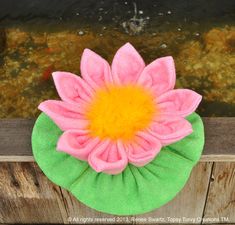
(204, 158)
(217, 158)
(16, 158)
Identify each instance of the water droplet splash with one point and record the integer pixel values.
(135, 24)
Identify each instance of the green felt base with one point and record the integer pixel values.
(136, 190)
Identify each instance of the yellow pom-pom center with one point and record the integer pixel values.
(118, 112)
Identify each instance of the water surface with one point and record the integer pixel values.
(39, 37)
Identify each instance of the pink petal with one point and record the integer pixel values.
(144, 150)
(127, 65)
(65, 115)
(171, 129)
(77, 143)
(71, 88)
(94, 69)
(159, 75)
(109, 157)
(179, 102)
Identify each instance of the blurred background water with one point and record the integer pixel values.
(38, 37)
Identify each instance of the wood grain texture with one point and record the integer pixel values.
(80, 213)
(188, 205)
(208, 158)
(15, 137)
(219, 135)
(204, 158)
(221, 196)
(27, 196)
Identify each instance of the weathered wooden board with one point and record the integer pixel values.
(15, 144)
(27, 196)
(187, 207)
(80, 213)
(15, 137)
(221, 196)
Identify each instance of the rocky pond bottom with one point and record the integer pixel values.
(205, 62)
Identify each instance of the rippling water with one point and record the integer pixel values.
(38, 37)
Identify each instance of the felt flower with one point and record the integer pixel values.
(124, 114)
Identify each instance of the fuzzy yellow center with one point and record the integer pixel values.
(120, 111)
